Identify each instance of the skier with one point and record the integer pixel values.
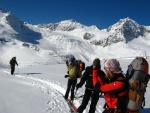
(73, 71)
(13, 62)
(89, 91)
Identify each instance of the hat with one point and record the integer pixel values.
(72, 60)
(96, 62)
(112, 65)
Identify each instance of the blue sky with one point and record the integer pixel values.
(102, 13)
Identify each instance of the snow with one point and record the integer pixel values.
(40, 89)
(39, 84)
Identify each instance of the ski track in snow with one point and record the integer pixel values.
(56, 90)
(52, 88)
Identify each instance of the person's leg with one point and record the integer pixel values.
(68, 88)
(94, 100)
(12, 70)
(73, 88)
(85, 101)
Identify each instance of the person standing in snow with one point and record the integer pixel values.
(115, 90)
(73, 71)
(89, 91)
(13, 62)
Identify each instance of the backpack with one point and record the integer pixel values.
(81, 65)
(138, 77)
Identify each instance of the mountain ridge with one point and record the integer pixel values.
(59, 40)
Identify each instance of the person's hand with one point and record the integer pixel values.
(67, 72)
(66, 76)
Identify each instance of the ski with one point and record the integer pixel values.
(71, 106)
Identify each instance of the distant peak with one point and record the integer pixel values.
(68, 21)
(126, 20)
(124, 23)
(66, 25)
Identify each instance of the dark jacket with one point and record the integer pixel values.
(87, 77)
(13, 62)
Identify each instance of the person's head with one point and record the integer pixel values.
(96, 63)
(71, 61)
(112, 68)
(14, 58)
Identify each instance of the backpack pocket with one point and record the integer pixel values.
(132, 95)
(136, 93)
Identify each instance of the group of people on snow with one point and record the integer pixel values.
(122, 93)
(111, 82)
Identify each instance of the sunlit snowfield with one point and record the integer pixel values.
(40, 89)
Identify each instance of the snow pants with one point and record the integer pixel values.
(71, 85)
(94, 99)
(12, 70)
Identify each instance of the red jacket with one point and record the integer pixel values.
(112, 89)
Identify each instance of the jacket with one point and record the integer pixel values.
(112, 90)
(87, 77)
(13, 62)
(73, 71)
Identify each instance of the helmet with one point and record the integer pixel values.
(72, 59)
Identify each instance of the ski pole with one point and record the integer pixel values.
(76, 91)
(18, 71)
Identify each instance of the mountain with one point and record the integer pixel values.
(55, 42)
(67, 25)
(128, 29)
(124, 31)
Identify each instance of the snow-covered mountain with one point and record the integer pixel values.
(67, 25)
(55, 42)
(128, 29)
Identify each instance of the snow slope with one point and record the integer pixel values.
(40, 89)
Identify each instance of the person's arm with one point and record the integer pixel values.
(84, 77)
(111, 86)
(16, 62)
(97, 78)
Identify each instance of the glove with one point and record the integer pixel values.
(97, 87)
(66, 76)
(67, 72)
